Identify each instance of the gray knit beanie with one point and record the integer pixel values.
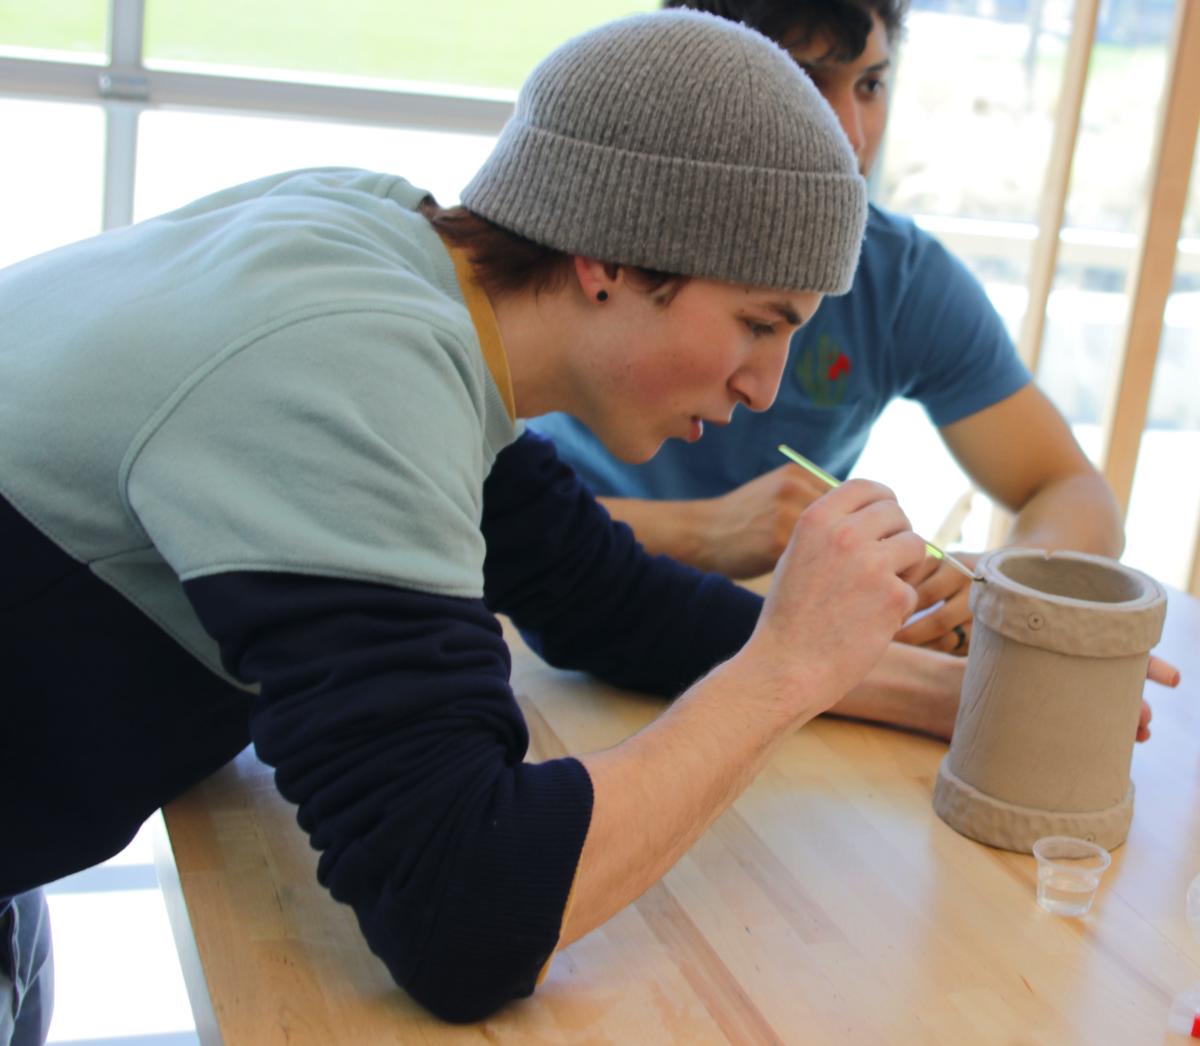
(681, 142)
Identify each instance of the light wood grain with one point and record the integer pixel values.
(828, 905)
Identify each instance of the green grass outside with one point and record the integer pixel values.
(58, 25)
(471, 42)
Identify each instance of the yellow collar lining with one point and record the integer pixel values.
(484, 319)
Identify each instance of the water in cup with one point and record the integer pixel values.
(1065, 894)
(1068, 873)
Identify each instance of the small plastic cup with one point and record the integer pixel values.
(1069, 871)
(1184, 1016)
(1193, 907)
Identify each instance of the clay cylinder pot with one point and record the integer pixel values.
(1050, 703)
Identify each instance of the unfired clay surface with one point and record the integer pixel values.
(1050, 702)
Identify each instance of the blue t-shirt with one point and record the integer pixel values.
(915, 324)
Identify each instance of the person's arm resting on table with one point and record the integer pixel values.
(601, 604)
(389, 718)
(740, 534)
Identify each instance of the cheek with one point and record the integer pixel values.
(685, 370)
(647, 391)
(874, 122)
(677, 359)
(650, 363)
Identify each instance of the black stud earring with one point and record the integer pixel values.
(602, 296)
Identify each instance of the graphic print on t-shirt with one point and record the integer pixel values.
(823, 372)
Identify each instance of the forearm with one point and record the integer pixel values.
(740, 535)
(836, 597)
(910, 687)
(657, 792)
(1077, 512)
(666, 528)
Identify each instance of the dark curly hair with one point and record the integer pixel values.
(791, 23)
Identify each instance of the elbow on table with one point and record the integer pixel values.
(468, 910)
(460, 989)
(466, 953)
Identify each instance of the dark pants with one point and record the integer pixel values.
(26, 970)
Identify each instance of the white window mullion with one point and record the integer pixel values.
(126, 22)
(120, 161)
(124, 83)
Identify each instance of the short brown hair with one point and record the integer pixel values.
(506, 262)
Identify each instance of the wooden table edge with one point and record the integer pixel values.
(207, 1029)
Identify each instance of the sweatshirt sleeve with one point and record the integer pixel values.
(388, 717)
(585, 595)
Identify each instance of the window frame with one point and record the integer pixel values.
(124, 87)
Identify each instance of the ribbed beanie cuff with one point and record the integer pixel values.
(680, 142)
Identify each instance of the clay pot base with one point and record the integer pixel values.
(1011, 827)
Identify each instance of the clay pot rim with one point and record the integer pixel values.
(989, 565)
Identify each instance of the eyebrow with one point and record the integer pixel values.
(825, 62)
(786, 312)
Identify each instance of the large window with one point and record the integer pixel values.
(460, 42)
(189, 97)
(973, 114)
(966, 151)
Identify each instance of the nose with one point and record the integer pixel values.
(756, 382)
(846, 109)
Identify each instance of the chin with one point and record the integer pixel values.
(639, 458)
(635, 454)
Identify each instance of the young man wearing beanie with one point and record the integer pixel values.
(264, 480)
(915, 324)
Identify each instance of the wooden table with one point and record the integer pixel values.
(829, 905)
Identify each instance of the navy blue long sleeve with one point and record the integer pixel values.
(584, 593)
(390, 722)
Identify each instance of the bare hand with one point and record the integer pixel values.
(841, 589)
(939, 629)
(747, 529)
